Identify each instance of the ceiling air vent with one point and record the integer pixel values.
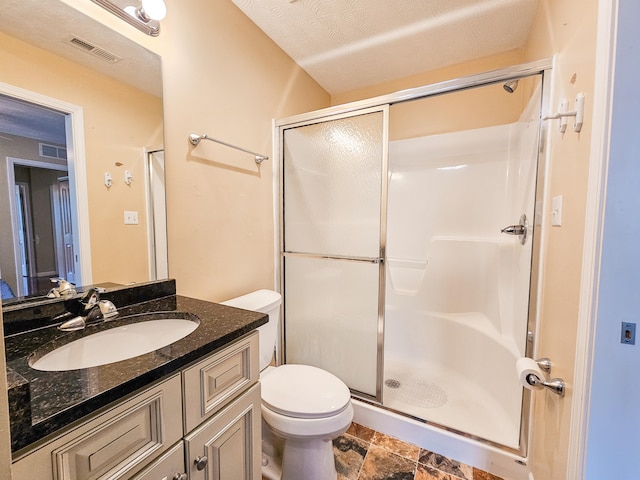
(93, 49)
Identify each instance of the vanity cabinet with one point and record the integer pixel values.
(200, 423)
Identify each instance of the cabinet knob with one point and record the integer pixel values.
(180, 476)
(200, 462)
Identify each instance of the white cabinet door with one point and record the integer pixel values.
(228, 445)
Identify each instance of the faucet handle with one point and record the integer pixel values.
(102, 311)
(90, 298)
(64, 288)
(108, 309)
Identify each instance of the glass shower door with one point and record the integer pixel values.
(333, 245)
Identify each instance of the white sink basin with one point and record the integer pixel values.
(116, 344)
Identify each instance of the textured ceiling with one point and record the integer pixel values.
(349, 44)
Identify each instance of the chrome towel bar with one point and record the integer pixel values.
(194, 138)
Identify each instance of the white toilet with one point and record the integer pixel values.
(303, 407)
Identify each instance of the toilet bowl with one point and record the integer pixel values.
(303, 407)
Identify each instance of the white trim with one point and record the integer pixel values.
(76, 162)
(275, 169)
(152, 239)
(151, 258)
(594, 221)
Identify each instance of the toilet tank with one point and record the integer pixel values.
(263, 301)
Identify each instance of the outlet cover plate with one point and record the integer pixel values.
(628, 333)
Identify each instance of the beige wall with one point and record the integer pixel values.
(223, 77)
(566, 28)
(117, 127)
(462, 110)
(485, 64)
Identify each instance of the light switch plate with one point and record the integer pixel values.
(556, 211)
(130, 217)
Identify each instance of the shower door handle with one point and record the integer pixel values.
(518, 230)
(514, 230)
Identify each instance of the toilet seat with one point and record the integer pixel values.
(305, 392)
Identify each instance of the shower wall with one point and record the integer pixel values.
(457, 289)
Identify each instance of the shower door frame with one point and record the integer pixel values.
(541, 67)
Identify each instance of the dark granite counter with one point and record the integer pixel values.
(41, 403)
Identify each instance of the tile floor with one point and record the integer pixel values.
(364, 454)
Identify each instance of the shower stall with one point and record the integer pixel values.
(409, 244)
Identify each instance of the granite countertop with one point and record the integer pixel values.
(41, 403)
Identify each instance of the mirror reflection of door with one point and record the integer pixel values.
(42, 226)
(39, 244)
(63, 229)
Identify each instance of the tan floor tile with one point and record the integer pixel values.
(424, 472)
(349, 453)
(381, 464)
(446, 465)
(396, 445)
(482, 475)
(360, 431)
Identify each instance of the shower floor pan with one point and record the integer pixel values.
(447, 398)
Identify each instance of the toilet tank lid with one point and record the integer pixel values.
(259, 301)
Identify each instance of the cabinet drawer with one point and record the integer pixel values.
(228, 445)
(114, 443)
(219, 378)
(168, 467)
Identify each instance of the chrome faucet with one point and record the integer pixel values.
(63, 289)
(87, 310)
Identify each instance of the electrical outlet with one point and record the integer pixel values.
(130, 218)
(628, 333)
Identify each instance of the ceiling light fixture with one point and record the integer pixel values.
(145, 16)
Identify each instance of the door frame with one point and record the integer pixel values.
(605, 58)
(155, 193)
(25, 208)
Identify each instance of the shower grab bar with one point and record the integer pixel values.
(194, 139)
(375, 260)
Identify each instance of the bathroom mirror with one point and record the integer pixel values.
(52, 50)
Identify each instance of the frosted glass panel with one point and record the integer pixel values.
(332, 186)
(332, 318)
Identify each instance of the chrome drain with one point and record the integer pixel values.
(392, 383)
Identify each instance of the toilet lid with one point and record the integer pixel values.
(303, 391)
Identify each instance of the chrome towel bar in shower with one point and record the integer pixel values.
(194, 138)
